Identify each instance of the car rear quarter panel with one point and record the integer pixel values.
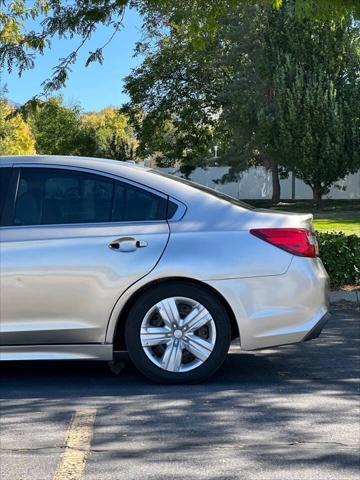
(209, 255)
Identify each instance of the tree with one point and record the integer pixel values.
(293, 98)
(174, 100)
(19, 44)
(239, 83)
(247, 95)
(60, 129)
(57, 128)
(316, 87)
(324, 146)
(158, 142)
(109, 135)
(15, 134)
(210, 96)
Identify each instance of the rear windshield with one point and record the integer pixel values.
(205, 189)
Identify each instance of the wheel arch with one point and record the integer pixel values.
(119, 332)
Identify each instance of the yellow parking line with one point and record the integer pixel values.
(77, 446)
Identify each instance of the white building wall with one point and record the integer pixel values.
(256, 183)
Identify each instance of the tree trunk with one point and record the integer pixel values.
(293, 180)
(275, 183)
(316, 198)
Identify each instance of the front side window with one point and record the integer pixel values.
(54, 196)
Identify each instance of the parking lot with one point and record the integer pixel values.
(286, 413)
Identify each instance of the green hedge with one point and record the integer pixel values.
(340, 254)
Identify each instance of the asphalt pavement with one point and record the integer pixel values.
(286, 413)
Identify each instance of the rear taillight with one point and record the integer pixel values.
(297, 241)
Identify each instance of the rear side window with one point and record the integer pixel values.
(135, 204)
(5, 176)
(55, 196)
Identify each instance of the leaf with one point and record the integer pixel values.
(96, 56)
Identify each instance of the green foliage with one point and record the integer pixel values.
(197, 19)
(268, 86)
(57, 128)
(15, 134)
(322, 9)
(247, 96)
(61, 129)
(174, 105)
(340, 254)
(175, 91)
(293, 97)
(108, 135)
(19, 43)
(316, 102)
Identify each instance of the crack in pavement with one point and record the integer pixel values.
(242, 446)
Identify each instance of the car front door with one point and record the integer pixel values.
(72, 244)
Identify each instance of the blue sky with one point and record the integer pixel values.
(95, 86)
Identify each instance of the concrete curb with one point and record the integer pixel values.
(340, 296)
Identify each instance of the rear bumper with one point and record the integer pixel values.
(279, 309)
(317, 328)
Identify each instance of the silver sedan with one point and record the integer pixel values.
(100, 255)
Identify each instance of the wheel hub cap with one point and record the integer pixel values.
(178, 334)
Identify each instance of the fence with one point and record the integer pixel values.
(256, 183)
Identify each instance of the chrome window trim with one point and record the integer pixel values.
(180, 212)
(86, 225)
(94, 172)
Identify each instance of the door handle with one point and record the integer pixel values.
(127, 244)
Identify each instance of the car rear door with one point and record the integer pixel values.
(73, 242)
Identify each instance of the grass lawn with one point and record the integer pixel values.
(334, 215)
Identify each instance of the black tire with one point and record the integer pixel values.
(154, 295)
